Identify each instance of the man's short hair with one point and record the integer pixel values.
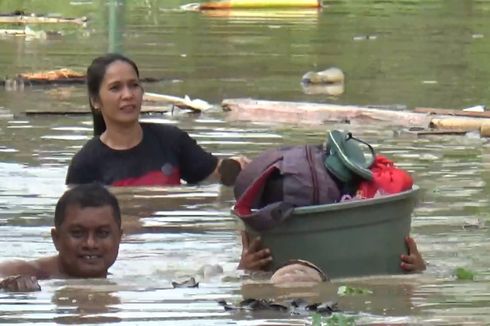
(86, 195)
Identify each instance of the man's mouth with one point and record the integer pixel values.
(90, 258)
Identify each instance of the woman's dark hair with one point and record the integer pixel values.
(95, 75)
(83, 196)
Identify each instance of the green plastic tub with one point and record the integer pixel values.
(352, 238)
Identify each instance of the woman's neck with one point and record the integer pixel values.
(122, 137)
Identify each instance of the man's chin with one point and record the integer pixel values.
(90, 272)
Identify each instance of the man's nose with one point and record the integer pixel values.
(91, 241)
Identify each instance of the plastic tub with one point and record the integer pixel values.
(352, 238)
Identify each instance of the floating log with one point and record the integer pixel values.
(144, 109)
(427, 132)
(317, 113)
(453, 112)
(257, 4)
(22, 18)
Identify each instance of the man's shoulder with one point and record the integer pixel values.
(41, 268)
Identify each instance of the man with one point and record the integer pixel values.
(87, 233)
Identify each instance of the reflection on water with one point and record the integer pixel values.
(171, 232)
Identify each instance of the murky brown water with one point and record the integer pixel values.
(410, 53)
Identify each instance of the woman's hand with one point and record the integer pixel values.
(242, 160)
(413, 262)
(229, 168)
(254, 256)
(20, 283)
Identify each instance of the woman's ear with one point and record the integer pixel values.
(95, 103)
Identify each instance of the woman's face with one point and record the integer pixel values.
(120, 95)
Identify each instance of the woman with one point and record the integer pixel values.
(125, 152)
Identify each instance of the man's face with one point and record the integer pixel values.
(87, 241)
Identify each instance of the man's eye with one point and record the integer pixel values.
(76, 233)
(103, 233)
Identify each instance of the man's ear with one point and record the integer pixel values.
(55, 238)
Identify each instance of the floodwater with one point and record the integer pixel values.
(400, 54)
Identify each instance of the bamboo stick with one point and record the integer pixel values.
(485, 129)
(453, 112)
(459, 123)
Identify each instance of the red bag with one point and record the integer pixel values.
(387, 179)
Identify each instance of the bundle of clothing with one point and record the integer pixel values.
(269, 188)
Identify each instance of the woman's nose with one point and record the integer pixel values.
(127, 92)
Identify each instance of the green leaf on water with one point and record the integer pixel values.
(336, 319)
(347, 290)
(464, 274)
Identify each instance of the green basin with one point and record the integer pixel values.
(352, 238)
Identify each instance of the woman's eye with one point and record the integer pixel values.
(135, 85)
(115, 88)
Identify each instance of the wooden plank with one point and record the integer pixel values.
(453, 112)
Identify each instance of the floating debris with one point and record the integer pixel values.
(476, 108)
(208, 271)
(329, 81)
(190, 283)
(52, 77)
(348, 290)
(464, 274)
(183, 103)
(330, 75)
(477, 224)
(365, 37)
(21, 17)
(293, 307)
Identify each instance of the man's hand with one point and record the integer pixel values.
(254, 256)
(413, 262)
(20, 283)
